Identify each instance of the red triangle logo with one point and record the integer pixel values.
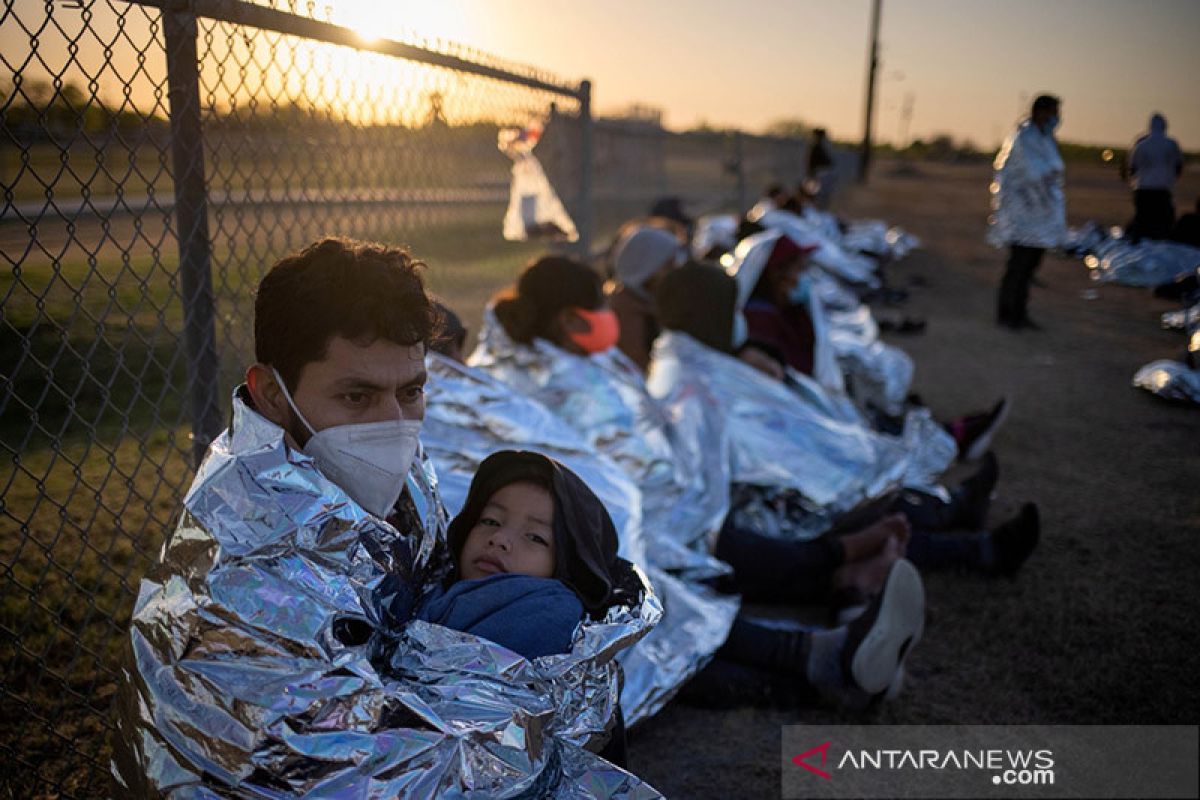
(823, 749)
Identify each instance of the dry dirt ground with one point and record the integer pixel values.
(1101, 625)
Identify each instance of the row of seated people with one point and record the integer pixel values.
(368, 591)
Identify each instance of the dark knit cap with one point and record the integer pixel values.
(699, 299)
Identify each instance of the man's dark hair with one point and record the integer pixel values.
(774, 189)
(338, 287)
(1043, 102)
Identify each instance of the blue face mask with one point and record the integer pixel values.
(799, 294)
(1051, 125)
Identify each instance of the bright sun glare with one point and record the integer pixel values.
(372, 88)
(403, 20)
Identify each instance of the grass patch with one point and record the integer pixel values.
(98, 456)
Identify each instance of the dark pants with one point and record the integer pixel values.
(1014, 288)
(1153, 214)
(928, 546)
(759, 665)
(770, 570)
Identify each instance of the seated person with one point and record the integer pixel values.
(640, 257)
(534, 550)
(1187, 227)
(786, 320)
(699, 300)
(451, 337)
(274, 621)
(547, 338)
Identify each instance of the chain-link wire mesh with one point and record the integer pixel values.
(299, 139)
(147, 188)
(637, 163)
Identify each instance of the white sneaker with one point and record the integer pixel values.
(882, 637)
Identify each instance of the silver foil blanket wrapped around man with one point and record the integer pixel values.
(272, 654)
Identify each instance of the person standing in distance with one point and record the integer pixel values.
(1154, 163)
(1029, 209)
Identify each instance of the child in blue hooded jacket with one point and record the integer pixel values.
(535, 551)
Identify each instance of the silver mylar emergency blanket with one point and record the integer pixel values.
(847, 341)
(1147, 263)
(1028, 204)
(1170, 380)
(1186, 319)
(604, 397)
(272, 654)
(469, 415)
(830, 255)
(794, 436)
(875, 237)
(1086, 238)
(684, 494)
(878, 374)
(714, 231)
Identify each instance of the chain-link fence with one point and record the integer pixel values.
(156, 157)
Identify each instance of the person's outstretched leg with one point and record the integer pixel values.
(999, 552)
(848, 663)
(771, 570)
(968, 506)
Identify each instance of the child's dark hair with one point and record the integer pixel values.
(530, 309)
(338, 287)
(585, 539)
(450, 333)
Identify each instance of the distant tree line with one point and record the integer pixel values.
(34, 110)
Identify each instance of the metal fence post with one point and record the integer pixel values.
(191, 217)
(586, 165)
(739, 160)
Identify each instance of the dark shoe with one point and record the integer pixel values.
(975, 494)
(878, 641)
(1015, 540)
(1025, 323)
(906, 325)
(973, 433)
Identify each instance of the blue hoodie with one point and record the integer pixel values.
(531, 616)
(1156, 159)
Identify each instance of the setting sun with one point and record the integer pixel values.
(402, 20)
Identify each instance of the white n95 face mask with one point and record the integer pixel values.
(369, 460)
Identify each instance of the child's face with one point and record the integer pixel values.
(513, 534)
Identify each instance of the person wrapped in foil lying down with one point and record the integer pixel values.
(274, 649)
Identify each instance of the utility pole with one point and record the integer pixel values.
(906, 112)
(872, 64)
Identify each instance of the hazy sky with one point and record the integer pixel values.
(971, 66)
